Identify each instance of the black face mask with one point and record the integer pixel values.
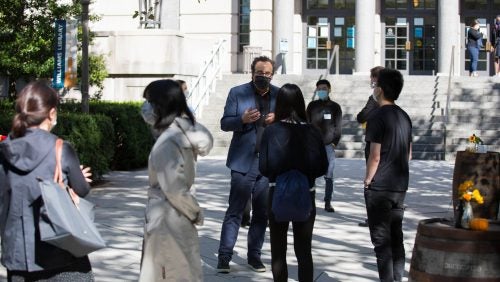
(261, 82)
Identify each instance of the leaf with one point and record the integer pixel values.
(136, 14)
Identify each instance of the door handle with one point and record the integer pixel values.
(408, 46)
(328, 44)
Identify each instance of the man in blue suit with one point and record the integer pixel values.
(249, 109)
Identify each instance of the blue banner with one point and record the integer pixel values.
(59, 54)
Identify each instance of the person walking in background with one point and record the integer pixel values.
(495, 44)
(290, 143)
(326, 115)
(389, 132)
(171, 250)
(363, 116)
(249, 109)
(27, 154)
(474, 44)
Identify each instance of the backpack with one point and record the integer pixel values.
(291, 197)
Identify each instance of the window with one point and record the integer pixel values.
(317, 4)
(244, 24)
(318, 31)
(476, 4)
(344, 4)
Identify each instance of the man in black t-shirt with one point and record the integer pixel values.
(387, 173)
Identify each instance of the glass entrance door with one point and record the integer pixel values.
(396, 55)
(423, 46)
(483, 63)
(410, 36)
(410, 45)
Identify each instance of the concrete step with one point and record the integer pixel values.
(473, 109)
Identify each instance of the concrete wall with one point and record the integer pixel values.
(136, 57)
(212, 20)
(114, 14)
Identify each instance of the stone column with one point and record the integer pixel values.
(448, 36)
(283, 11)
(365, 38)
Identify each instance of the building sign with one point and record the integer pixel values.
(59, 54)
(65, 53)
(283, 45)
(70, 75)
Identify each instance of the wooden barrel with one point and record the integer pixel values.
(443, 253)
(484, 171)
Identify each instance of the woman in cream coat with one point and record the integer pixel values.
(171, 249)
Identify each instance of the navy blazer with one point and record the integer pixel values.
(242, 149)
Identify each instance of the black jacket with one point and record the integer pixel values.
(326, 116)
(473, 36)
(22, 160)
(286, 146)
(365, 114)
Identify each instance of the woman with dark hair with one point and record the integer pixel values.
(287, 144)
(171, 250)
(26, 155)
(474, 43)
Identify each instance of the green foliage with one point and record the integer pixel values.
(97, 73)
(27, 35)
(133, 139)
(91, 136)
(27, 40)
(113, 136)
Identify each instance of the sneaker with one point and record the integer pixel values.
(257, 266)
(223, 265)
(475, 74)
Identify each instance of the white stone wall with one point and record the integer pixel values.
(115, 15)
(212, 20)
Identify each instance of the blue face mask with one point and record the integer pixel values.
(322, 94)
(148, 113)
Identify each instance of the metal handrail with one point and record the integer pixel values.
(204, 84)
(448, 92)
(335, 54)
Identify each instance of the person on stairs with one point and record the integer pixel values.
(326, 115)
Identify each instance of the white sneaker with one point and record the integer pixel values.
(475, 74)
(498, 74)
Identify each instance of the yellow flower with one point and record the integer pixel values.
(464, 186)
(467, 197)
(472, 138)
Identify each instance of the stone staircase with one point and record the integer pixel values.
(474, 106)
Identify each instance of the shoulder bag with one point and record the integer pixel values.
(66, 221)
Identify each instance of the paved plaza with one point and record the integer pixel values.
(342, 250)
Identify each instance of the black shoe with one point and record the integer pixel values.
(223, 265)
(257, 266)
(364, 224)
(329, 208)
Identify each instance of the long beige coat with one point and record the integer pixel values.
(171, 250)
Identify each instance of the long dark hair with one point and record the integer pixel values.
(290, 104)
(33, 105)
(168, 102)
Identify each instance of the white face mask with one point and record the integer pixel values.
(54, 122)
(147, 113)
